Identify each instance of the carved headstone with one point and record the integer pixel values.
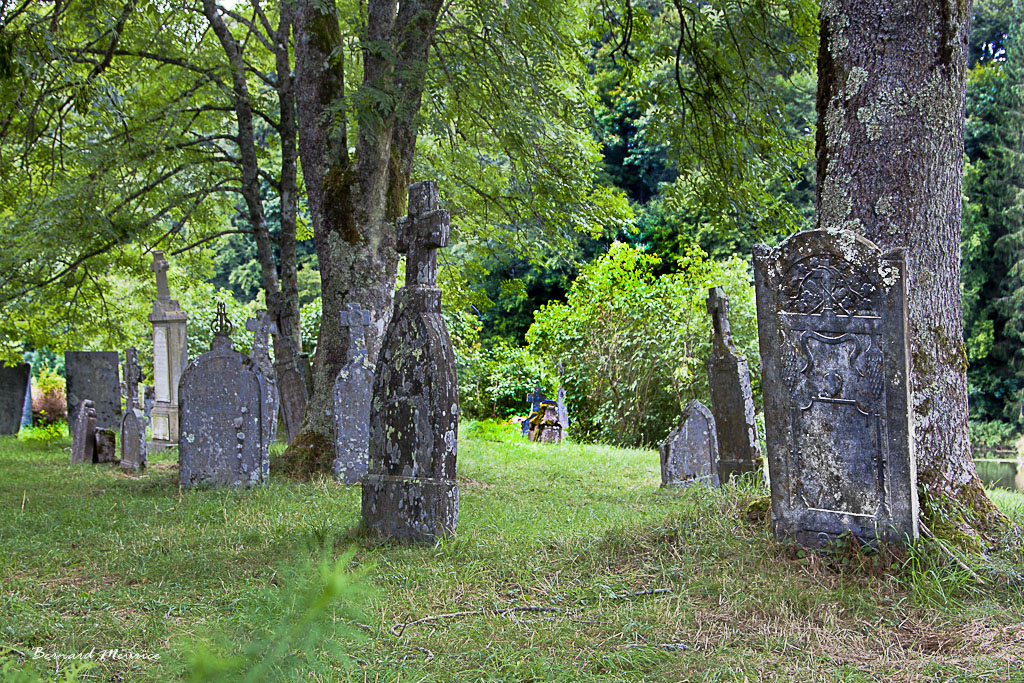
(262, 328)
(831, 313)
(221, 397)
(14, 382)
(93, 375)
(689, 454)
(410, 490)
(293, 382)
(170, 356)
(133, 424)
(353, 392)
(83, 435)
(732, 401)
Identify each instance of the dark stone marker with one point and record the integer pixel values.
(14, 382)
(221, 399)
(262, 327)
(83, 436)
(831, 314)
(536, 397)
(732, 401)
(353, 392)
(689, 454)
(106, 445)
(133, 424)
(93, 375)
(410, 491)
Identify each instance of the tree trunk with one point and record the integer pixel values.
(353, 209)
(891, 77)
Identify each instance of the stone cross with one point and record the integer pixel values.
(421, 234)
(159, 266)
(262, 326)
(718, 309)
(831, 318)
(132, 376)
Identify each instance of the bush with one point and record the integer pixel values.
(494, 382)
(49, 403)
(634, 345)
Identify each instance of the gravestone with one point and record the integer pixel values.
(262, 327)
(106, 445)
(689, 454)
(93, 375)
(14, 382)
(410, 490)
(222, 406)
(293, 382)
(353, 392)
(133, 424)
(732, 401)
(83, 435)
(26, 409)
(563, 414)
(170, 356)
(535, 398)
(831, 313)
(148, 401)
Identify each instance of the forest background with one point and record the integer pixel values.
(601, 175)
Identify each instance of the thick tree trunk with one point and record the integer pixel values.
(353, 209)
(890, 166)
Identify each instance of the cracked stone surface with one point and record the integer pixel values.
(133, 423)
(353, 394)
(409, 492)
(831, 314)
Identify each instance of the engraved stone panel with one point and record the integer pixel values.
(831, 311)
(689, 454)
(93, 375)
(14, 382)
(353, 393)
(221, 405)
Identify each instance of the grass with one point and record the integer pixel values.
(570, 564)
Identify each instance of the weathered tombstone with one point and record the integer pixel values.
(545, 426)
(148, 401)
(410, 490)
(83, 436)
(831, 313)
(170, 356)
(93, 375)
(563, 414)
(293, 382)
(536, 397)
(14, 382)
(689, 454)
(106, 445)
(133, 424)
(222, 407)
(262, 327)
(353, 392)
(732, 401)
(26, 408)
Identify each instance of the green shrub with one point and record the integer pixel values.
(45, 432)
(494, 382)
(634, 345)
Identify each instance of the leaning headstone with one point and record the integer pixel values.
(689, 454)
(26, 409)
(353, 392)
(93, 375)
(831, 313)
(262, 327)
(14, 382)
(732, 401)
(222, 407)
(410, 490)
(170, 356)
(293, 383)
(133, 424)
(83, 435)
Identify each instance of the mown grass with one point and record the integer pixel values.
(570, 561)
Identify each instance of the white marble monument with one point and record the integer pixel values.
(170, 356)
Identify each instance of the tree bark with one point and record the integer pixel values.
(889, 148)
(353, 206)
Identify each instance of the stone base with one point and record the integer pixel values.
(408, 509)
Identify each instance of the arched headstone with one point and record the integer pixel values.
(831, 314)
(689, 454)
(222, 398)
(353, 393)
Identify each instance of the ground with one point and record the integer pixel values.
(571, 563)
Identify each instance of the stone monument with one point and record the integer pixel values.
(410, 491)
(732, 402)
(94, 375)
(170, 356)
(353, 392)
(831, 314)
(26, 408)
(83, 434)
(133, 424)
(689, 454)
(222, 407)
(14, 382)
(262, 327)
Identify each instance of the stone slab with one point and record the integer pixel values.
(689, 454)
(93, 375)
(14, 382)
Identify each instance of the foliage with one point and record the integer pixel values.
(991, 434)
(634, 345)
(494, 381)
(49, 380)
(46, 432)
